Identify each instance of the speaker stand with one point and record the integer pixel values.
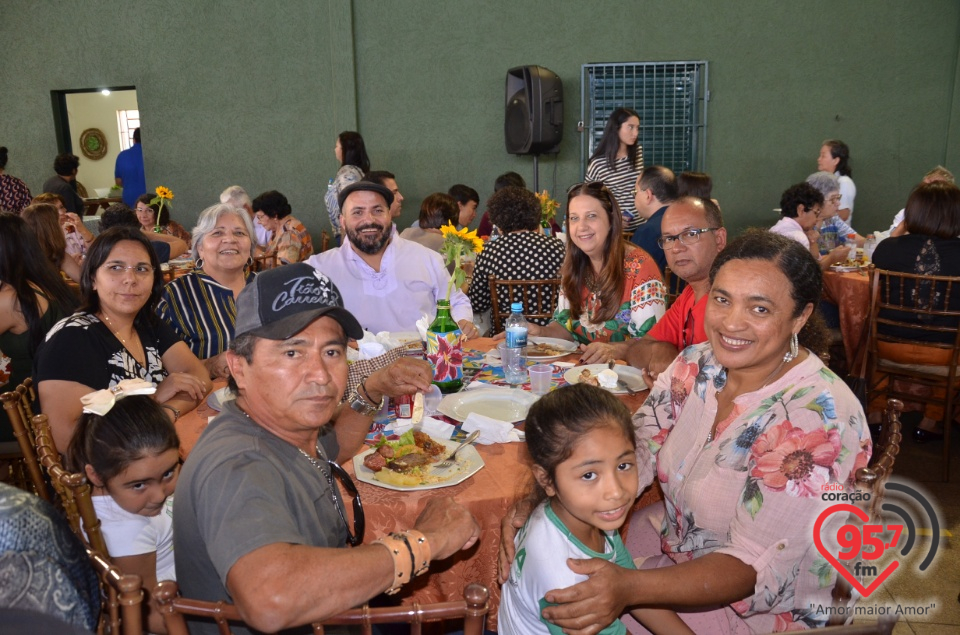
(536, 173)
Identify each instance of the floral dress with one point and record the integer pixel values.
(642, 304)
(755, 491)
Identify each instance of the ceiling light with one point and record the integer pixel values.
(105, 92)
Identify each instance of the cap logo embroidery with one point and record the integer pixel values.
(306, 290)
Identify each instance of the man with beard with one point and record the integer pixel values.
(387, 282)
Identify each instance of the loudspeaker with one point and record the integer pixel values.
(533, 120)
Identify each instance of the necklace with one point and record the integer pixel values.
(116, 332)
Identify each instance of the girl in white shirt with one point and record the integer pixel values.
(130, 455)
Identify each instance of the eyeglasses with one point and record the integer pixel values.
(833, 199)
(117, 271)
(689, 237)
(354, 537)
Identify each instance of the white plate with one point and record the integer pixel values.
(563, 345)
(468, 463)
(843, 268)
(217, 398)
(628, 374)
(505, 404)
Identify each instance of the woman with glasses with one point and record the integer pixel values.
(832, 230)
(801, 206)
(116, 335)
(610, 290)
(617, 162)
(156, 220)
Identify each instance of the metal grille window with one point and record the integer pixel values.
(671, 99)
(127, 122)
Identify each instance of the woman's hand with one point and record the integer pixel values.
(217, 366)
(590, 606)
(177, 383)
(599, 352)
(533, 330)
(469, 329)
(516, 516)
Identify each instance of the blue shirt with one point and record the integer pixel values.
(647, 235)
(129, 169)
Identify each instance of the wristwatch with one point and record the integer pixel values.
(360, 404)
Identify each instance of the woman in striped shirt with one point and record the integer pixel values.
(201, 306)
(617, 162)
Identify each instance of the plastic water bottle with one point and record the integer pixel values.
(515, 368)
(494, 233)
(868, 247)
(852, 241)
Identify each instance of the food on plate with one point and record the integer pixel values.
(544, 350)
(406, 461)
(586, 377)
(606, 378)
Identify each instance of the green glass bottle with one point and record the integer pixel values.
(444, 351)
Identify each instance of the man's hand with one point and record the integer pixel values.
(516, 516)
(590, 606)
(405, 376)
(835, 255)
(448, 526)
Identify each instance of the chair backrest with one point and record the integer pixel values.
(871, 479)
(73, 490)
(919, 308)
(539, 298)
(324, 240)
(472, 609)
(18, 406)
(673, 285)
(121, 612)
(264, 262)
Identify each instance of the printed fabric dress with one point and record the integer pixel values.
(292, 243)
(642, 304)
(755, 491)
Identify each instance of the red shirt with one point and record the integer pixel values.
(685, 316)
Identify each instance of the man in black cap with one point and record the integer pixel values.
(258, 520)
(387, 282)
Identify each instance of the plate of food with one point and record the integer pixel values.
(601, 375)
(217, 398)
(544, 349)
(409, 463)
(846, 266)
(505, 404)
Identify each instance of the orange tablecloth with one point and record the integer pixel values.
(488, 494)
(851, 293)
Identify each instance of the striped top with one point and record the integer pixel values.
(621, 181)
(201, 311)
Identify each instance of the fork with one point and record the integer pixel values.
(447, 462)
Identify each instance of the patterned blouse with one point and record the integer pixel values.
(346, 175)
(292, 243)
(173, 228)
(755, 491)
(14, 194)
(641, 306)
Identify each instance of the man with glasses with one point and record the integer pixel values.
(258, 517)
(692, 234)
(655, 189)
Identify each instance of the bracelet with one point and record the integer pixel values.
(419, 549)
(402, 560)
(176, 413)
(366, 395)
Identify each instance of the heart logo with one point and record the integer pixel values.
(842, 570)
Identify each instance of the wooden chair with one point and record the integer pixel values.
(472, 609)
(18, 405)
(673, 285)
(871, 479)
(264, 262)
(73, 490)
(324, 241)
(918, 307)
(539, 298)
(121, 612)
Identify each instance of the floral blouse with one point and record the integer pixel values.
(754, 492)
(292, 243)
(173, 228)
(642, 305)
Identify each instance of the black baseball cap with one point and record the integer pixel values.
(281, 302)
(365, 186)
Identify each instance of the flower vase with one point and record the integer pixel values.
(444, 351)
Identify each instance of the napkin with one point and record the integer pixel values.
(101, 401)
(491, 430)
(422, 325)
(436, 428)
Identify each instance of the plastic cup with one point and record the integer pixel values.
(514, 361)
(540, 378)
(431, 400)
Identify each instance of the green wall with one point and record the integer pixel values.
(255, 93)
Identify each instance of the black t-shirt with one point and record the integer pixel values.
(81, 348)
(921, 255)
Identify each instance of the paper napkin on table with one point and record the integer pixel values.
(491, 430)
(422, 325)
(436, 428)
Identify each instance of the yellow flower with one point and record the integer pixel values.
(448, 230)
(165, 193)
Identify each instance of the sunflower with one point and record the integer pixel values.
(455, 244)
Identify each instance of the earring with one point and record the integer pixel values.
(198, 264)
(794, 349)
(250, 261)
